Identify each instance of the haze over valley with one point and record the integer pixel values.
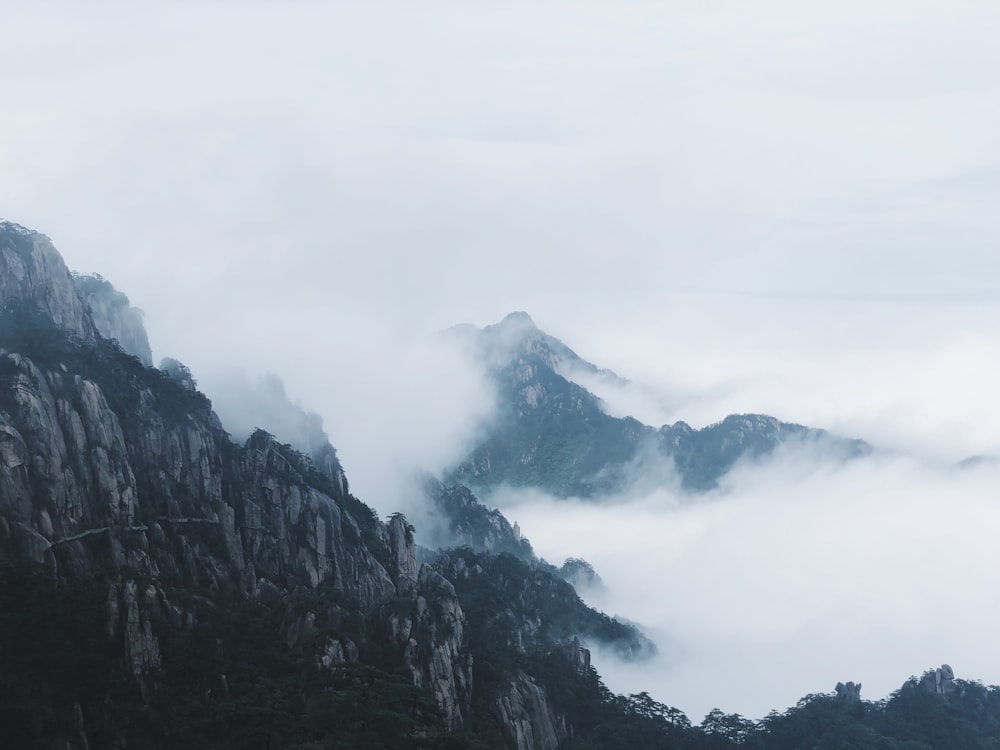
(773, 223)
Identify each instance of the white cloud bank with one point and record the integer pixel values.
(795, 575)
(774, 206)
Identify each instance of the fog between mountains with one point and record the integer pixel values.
(794, 575)
(773, 207)
(797, 572)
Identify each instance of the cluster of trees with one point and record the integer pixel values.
(233, 681)
(229, 682)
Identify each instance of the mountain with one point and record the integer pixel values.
(553, 434)
(164, 586)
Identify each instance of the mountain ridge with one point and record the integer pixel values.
(119, 476)
(162, 586)
(553, 434)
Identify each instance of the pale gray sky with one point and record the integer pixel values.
(742, 206)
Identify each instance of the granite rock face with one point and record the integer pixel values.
(849, 692)
(940, 681)
(106, 461)
(528, 718)
(33, 274)
(109, 464)
(466, 522)
(114, 316)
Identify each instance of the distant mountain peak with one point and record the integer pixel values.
(514, 331)
(517, 336)
(554, 433)
(518, 317)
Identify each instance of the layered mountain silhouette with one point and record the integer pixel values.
(163, 586)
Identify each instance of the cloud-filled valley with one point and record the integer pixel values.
(773, 209)
(795, 575)
(800, 570)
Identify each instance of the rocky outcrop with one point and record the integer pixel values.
(527, 716)
(428, 625)
(581, 575)
(288, 527)
(943, 683)
(128, 615)
(63, 462)
(120, 476)
(940, 681)
(404, 552)
(849, 692)
(430, 630)
(577, 655)
(114, 315)
(127, 466)
(465, 522)
(534, 610)
(33, 275)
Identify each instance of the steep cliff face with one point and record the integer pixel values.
(76, 472)
(99, 451)
(288, 528)
(186, 558)
(528, 717)
(32, 273)
(528, 607)
(466, 522)
(106, 463)
(114, 315)
(65, 472)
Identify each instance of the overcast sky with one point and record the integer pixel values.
(765, 206)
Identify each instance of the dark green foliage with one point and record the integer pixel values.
(233, 682)
(54, 655)
(122, 377)
(505, 592)
(15, 237)
(241, 673)
(580, 573)
(230, 682)
(305, 474)
(912, 718)
(603, 720)
(178, 372)
(472, 523)
(703, 456)
(563, 444)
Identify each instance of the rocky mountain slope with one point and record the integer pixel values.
(122, 495)
(162, 586)
(553, 434)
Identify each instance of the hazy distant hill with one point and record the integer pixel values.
(554, 434)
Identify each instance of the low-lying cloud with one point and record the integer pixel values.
(795, 574)
(910, 375)
(740, 208)
(390, 406)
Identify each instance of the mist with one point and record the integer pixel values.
(391, 407)
(795, 574)
(770, 207)
(911, 375)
